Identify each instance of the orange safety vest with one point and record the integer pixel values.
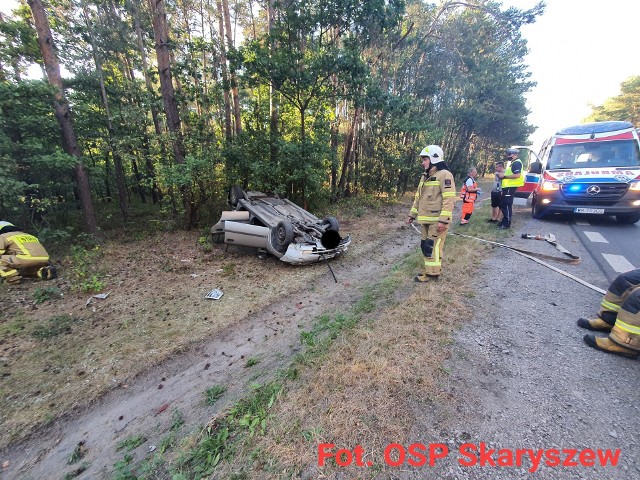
(467, 196)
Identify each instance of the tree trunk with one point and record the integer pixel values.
(273, 102)
(228, 132)
(349, 147)
(63, 114)
(117, 159)
(232, 73)
(161, 34)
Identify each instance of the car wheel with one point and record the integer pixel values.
(628, 219)
(332, 222)
(235, 195)
(537, 211)
(282, 235)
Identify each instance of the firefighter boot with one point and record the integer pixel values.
(595, 324)
(609, 346)
(48, 273)
(423, 278)
(11, 279)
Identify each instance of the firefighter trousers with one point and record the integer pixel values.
(621, 308)
(433, 245)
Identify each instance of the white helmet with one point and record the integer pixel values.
(5, 224)
(434, 152)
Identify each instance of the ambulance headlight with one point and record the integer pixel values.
(635, 186)
(548, 186)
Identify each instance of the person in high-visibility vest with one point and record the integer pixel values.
(619, 315)
(512, 178)
(469, 194)
(433, 209)
(22, 254)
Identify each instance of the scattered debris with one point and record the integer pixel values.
(99, 296)
(194, 275)
(214, 294)
(152, 448)
(160, 409)
(5, 464)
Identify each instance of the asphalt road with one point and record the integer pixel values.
(612, 247)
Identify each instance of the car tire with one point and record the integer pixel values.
(332, 222)
(628, 219)
(537, 211)
(282, 235)
(235, 195)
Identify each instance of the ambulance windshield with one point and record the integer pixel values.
(607, 154)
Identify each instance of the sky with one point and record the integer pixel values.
(580, 51)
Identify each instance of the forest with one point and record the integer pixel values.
(113, 109)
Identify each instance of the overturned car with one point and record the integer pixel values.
(280, 227)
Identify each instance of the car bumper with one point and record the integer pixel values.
(304, 253)
(629, 204)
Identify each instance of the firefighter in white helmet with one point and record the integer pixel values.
(22, 254)
(619, 315)
(433, 210)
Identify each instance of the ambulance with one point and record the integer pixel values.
(591, 169)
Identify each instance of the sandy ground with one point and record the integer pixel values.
(520, 376)
(143, 405)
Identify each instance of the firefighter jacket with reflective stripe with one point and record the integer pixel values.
(22, 246)
(435, 197)
(465, 194)
(513, 167)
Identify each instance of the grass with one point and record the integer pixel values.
(364, 372)
(214, 393)
(251, 362)
(385, 354)
(58, 325)
(44, 294)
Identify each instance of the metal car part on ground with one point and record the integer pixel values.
(279, 226)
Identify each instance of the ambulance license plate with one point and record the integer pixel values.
(598, 211)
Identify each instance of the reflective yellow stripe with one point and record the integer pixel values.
(432, 182)
(414, 210)
(427, 219)
(610, 306)
(437, 262)
(628, 328)
(449, 194)
(7, 273)
(29, 257)
(445, 213)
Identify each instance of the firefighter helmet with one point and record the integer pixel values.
(4, 224)
(434, 152)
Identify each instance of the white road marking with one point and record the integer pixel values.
(596, 237)
(618, 262)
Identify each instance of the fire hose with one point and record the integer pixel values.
(536, 257)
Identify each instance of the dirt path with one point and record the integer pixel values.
(146, 406)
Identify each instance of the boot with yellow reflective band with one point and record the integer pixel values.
(605, 344)
(595, 324)
(47, 273)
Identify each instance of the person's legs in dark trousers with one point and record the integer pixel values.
(506, 206)
(495, 207)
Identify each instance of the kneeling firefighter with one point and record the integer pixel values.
(433, 209)
(22, 254)
(619, 315)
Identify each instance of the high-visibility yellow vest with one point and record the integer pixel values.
(513, 182)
